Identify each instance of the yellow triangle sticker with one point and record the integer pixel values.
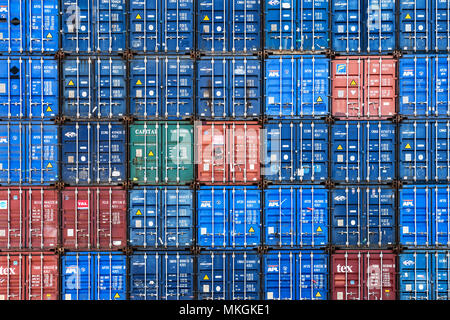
(116, 296)
(139, 213)
(49, 109)
(71, 83)
(408, 16)
(151, 154)
(206, 277)
(318, 295)
(206, 18)
(339, 147)
(251, 229)
(138, 16)
(49, 165)
(139, 82)
(319, 229)
(353, 83)
(319, 99)
(408, 146)
(49, 36)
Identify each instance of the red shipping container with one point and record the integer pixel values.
(28, 276)
(363, 87)
(363, 275)
(228, 152)
(28, 218)
(94, 218)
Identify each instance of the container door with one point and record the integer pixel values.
(312, 151)
(78, 88)
(212, 30)
(415, 272)
(43, 224)
(177, 153)
(380, 26)
(440, 202)
(211, 153)
(212, 82)
(379, 229)
(348, 273)
(312, 208)
(12, 86)
(144, 24)
(313, 21)
(42, 277)
(380, 282)
(245, 216)
(77, 149)
(76, 276)
(346, 30)
(243, 152)
(13, 26)
(314, 92)
(12, 218)
(415, 81)
(347, 87)
(441, 81)
(43, 26)
(440, 171)
(244, 282)
(440, 273)
(110, 218)
(212, 276)
(144, 152)
(280, 213)
(12, 153)
(178, 19)
(441, 26)
(12, 283)
(380, 151)
(177, 277)
(213, 228)
(415, 25)
(280, 276)
(145, 95)
(415, 147)
(280, 86)
(415, 216)
(110, 276)
(110, 25)
(144, 223)
(244, 34)
(177, 217)
(145, 273)
(78, 26)
(312, 275)
(280, 25)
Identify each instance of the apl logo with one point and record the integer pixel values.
(274, 73)
(408, 72)
(272, 268)
(274, 2)
(341, 69)
(70, 134)
(3, 140)
(7, 271)
(274, 203)
(344, 269)
(408, 203)
(205, 204)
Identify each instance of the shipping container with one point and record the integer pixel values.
(424, 215)
(424, 151)
(93, 153)
(29, 87)
(363, 26)
(161, 217)
(28, 218)
(94, 87)
(424, 275)
(231, 275)
(297, 25)
(363, 87)
(363, 151)
(228, 26)
(363, 275)
(229, 217)
(93, 26)
(228, 152)
(161, 152)
(295, 151)
(93, 276)
(161, 87)
(296, 275)
(296, 216)
(30, 153)
(29, 276)
(363, 217)
(229, 87)
(161, 26)
(29, 26)
(161, 276)
(94, 218)
(297, 86)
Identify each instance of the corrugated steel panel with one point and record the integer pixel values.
(161, 26)
(229, 87)
(297, 86)
(162, 87)
(161, 217)
(228, 275)
(296, 216)
(229, 217)
(296, 275)
(93, 153)
(363, 217)
(161, 276)
(228, 26)
(297, 25)
(93, 276)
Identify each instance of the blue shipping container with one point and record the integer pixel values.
(363, 151)
(424, 275)
(228, 275)
(29, 153)
(93, 276)
(161, 276)
(296, 151)
(296, 275)
(161, 25)
(229, 217)
(161, 217)
(229, 87)
(29, 87)
(29, 26)
(162, 87)
(93, 153)
(94, 26)
(228, 26)
(297, 25)
(296, 216)
(297, 86)
(94, 88)
(363, 216)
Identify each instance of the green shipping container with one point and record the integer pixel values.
(161, 152)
